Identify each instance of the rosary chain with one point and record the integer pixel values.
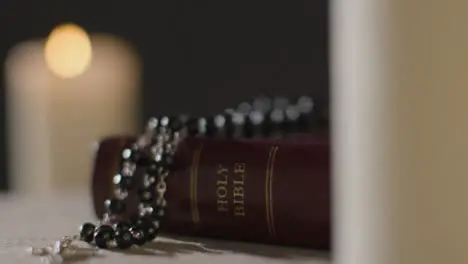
(154, 152)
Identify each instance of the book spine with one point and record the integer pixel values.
(264, 191)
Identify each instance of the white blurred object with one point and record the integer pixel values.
(400, 131)
(53, 121)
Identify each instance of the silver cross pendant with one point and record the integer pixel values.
(61, 250)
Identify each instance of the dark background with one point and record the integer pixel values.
(198, 56)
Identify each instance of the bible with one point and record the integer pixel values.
(270, 191)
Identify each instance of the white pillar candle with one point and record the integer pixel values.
(54, 121)
(400, 129)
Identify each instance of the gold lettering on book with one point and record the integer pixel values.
(222, 189)
(239, 168)
(234, 192)
(272, 169)
(269, 190)
(194, 184)
(238, 189)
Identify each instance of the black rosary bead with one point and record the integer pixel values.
(123, 236)
(146, 224)
(192, 126)
(123, 239)
(154, 168)
(103, 236)
(167, 160)
(211, 129)
(146, 195)
(267, 126)
(122, 225)
(304, 123)
(138, 236)
(133, 219)
(136, 156)
(175, 123)
(249, 129)
(123, 182)
(87, 232)
(157, 214)
(115, 206)
(229, 126)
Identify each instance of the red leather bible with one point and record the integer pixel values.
(265, 191)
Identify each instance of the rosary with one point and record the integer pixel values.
(153, 153)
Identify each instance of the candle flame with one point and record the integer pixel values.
(68, 51)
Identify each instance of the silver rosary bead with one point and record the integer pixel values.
(161, 187)
(161, 202)
(148, 180)
(120, 194)
(128, 168)
(157, 149)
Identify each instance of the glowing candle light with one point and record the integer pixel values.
(65, 93)
(68, 51)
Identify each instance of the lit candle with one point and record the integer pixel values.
(400, 132)
(63, 95)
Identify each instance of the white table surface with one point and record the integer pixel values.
(38, 220)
